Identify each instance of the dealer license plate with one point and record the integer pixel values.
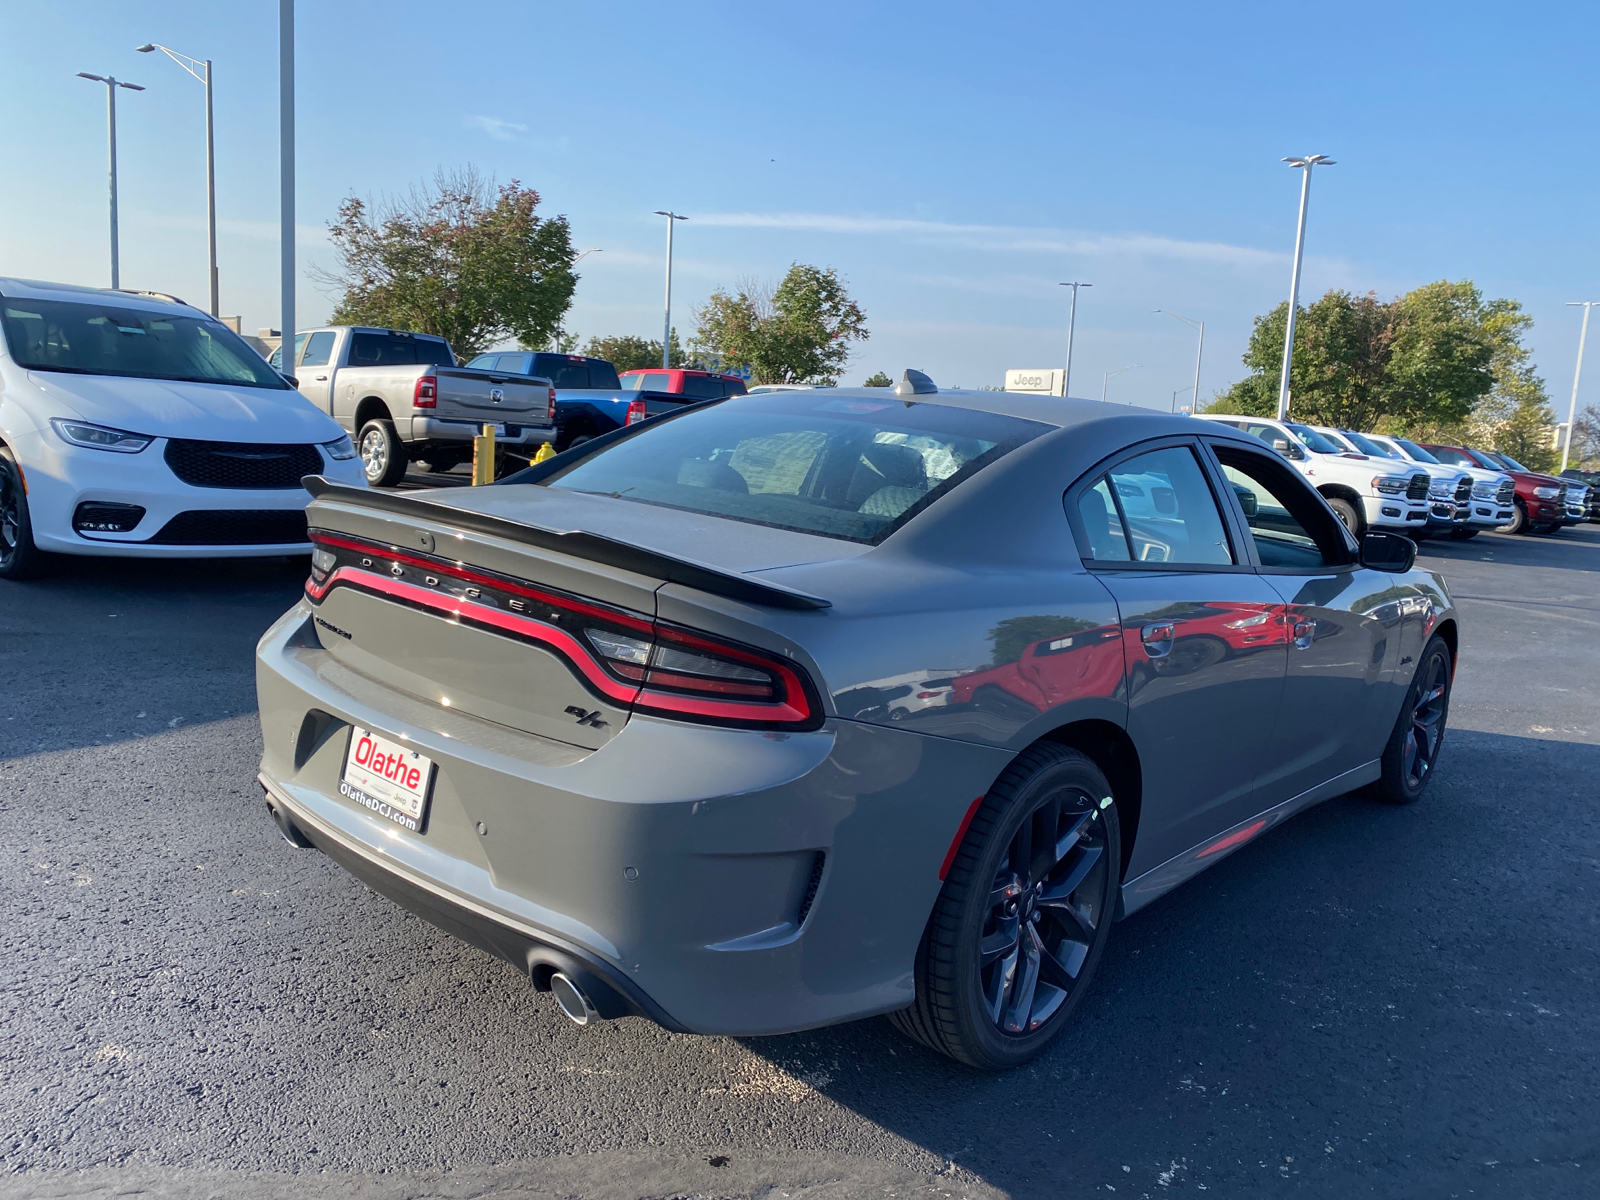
(387, 777)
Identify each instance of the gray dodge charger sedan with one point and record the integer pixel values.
(807, 706)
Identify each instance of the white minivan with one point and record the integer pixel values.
(134, 424)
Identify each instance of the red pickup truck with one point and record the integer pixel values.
(694, 385)
(1541, 499)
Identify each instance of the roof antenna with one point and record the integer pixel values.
(915, 383)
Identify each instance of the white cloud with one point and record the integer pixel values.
(499, 130)
(1009, 237)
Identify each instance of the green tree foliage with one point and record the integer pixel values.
(1585, 440)
(878, 379)
(629, 353)
(458, 257)
(800, 332)
(1431, 362)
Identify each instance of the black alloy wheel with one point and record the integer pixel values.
(1024, 915)
(1412, 755)
(19, 557)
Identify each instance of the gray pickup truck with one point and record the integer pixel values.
(403, 399)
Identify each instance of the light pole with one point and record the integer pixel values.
(666, 333)
(1104, 383)
(575, 262)
(189, 65)
(1176, 393)
(1072, 321)
(286, 269)
(1306, 164)
(1572, 410)
(112, 84)
(1199, 350)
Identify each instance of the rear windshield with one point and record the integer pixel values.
(850, 469)
(564, 371)
(106, 339)
(706, 387)
(391, 350)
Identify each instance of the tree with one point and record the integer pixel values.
(629, 353)
(461, 258)
(1586, 439)
(878, 379)
(799, 332)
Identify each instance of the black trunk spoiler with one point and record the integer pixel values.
(579, 543)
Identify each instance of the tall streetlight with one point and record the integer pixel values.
(1306, 164)
(286, 261)
(1175, 394)
(1106, 382)
(666, 333)
(578, 259)
(1072, 321)
(1572, 410)
(1199, 350)
(204, 76)
(112, 84)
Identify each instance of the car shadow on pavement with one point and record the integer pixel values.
(1368, 998)
(108, 649)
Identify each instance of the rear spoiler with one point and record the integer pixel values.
(579, 543)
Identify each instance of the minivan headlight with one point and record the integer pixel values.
(99, 437)
(341, 449)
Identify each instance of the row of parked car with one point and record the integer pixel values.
(1379, 481)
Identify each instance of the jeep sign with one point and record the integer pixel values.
(1044, 382)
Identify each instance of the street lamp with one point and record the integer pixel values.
(1306, 164)
(575, 262)
(1572, 411)
(1104, 383)
(189, 65)
(1176, 393)
(112, 84)
(1072, 321)
(1199, 350)
(666, 335)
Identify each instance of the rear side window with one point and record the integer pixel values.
(1101, 521)
(649, 381)
(1164, 509)
(849, 469)
(704, 387)
(387, 350)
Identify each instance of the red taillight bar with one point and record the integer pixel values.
(426, 393)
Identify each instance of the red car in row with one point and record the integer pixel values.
(1544, 502)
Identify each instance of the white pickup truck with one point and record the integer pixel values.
(401, 397)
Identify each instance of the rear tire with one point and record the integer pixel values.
(383, 454)
(1412, 755)
(19, 557)
(1347, 514)
(1019, 928)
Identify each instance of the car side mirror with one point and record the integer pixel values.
(1165, 500)
(1281, 445)
(292, 381)
(1388, 552)
(1247, 501)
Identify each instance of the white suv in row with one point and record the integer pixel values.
(1366, 493)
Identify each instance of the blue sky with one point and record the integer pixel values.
(953, 162)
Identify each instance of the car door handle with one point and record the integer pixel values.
(1158, 637)
(322, 379)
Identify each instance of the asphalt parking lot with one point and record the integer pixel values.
(1366, 1002)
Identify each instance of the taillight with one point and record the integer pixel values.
(636, 412)
(626, 658)
(426, 394)
(550, 407)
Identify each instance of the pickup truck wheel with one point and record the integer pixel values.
(1519, 520)
(1413, 751)
(19, 557)
(1019, 927)
(383, 454)
(1347, 514)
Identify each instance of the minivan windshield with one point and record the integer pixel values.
(99, 338)
(852, 469)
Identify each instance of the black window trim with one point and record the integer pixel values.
(1243, 551)
(1273, 461)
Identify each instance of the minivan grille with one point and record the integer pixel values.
(1418, 490)
(234, 527)
(241, 464)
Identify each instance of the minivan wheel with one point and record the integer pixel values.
(1413, 751)
(1019, 928)
(383, 454)
(19, 557)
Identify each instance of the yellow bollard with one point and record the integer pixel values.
(483, 457)
(546, 452)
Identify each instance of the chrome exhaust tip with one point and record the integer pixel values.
(286, 826)
(572, 1002)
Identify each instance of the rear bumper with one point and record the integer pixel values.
(714, 880)
(436, 429)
